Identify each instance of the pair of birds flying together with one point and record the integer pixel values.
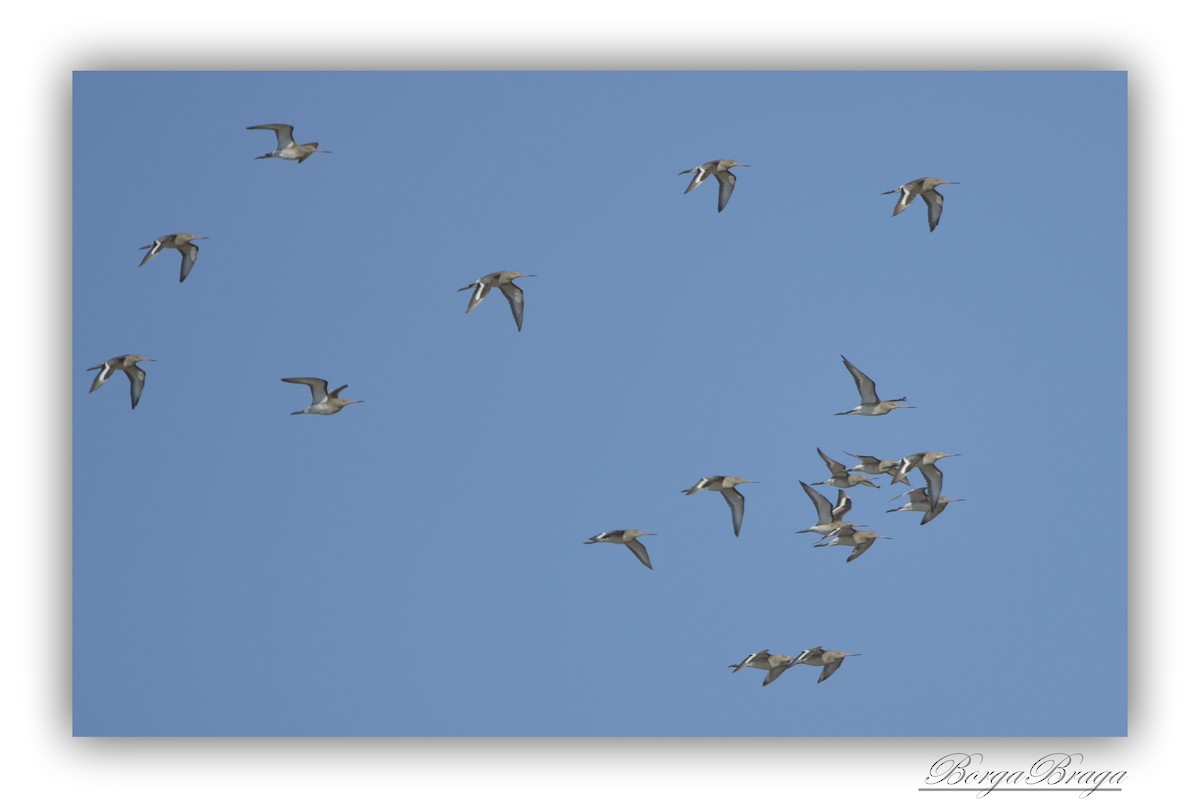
(324, 402)
(776, 663)
(831, 525)
(926, 463)
(287, 149)
(924, 187)
(725, 485)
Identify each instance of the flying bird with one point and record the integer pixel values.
(925, 462)
(871, 405)
(875, 465)
(127, 364)
(829, 517)
(860, 539)
(287, 148)
(927, 188)
(719, 170)
(840, 477)
(181, 243)
(918, 501)
(828, 660)
(774, 663)
(504, 282)
(726, 486)
(629, 537)
(324, 402)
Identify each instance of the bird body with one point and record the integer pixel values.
(287, 148)
(628, 537)
(926, 187)
(504, 282)
(181, 243)
(871, 405)
(727, 487)
(324, 402)
(720, 170)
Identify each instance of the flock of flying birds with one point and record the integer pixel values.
(830, 525)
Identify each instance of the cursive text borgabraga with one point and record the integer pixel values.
(1057, 771)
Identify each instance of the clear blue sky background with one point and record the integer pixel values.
(415, 565)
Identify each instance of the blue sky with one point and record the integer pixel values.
(415, 565)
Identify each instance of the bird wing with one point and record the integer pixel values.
(319, 387)
(639, 550)
(154, 247)
(137, 379)
(906, 464)
(516, 301)
(774, 673)
(858, 550)
(834, 467)
(915, 496)
(843, 505)
(805, 657)
(935, 512)
(866, 386)
(727, 180)
(933, 477)
(737, 506)
(190, 252)
(701, 175)
(106, 370)
(703, 484)
(480, 291)
(933, 199)
(283, 133)
(906, 197)
(749, 659)
(830, 669)
(824, 508)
